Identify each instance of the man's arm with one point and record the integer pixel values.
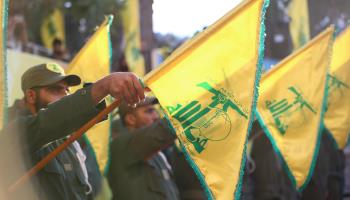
(149, 140)
(142, 143)
(65, 116)
(122, 85)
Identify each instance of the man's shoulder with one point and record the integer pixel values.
(17, 124)
(121, 140)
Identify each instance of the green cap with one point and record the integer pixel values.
(46, 74)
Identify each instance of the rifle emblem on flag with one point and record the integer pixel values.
(336, 88)
(197, 123)
(282, 111)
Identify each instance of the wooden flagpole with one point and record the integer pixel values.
(63, 146)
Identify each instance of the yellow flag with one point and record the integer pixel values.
(291, 104)
(132, 36)
(53, 27)
(3, 100)
(92, 63)
(18, 62)
(337, 117)
(299, 25)
(208, 92)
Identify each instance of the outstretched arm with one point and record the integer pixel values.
(123, 85)
(65, 116)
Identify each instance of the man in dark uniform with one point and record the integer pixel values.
(51, 116)
(139, 170)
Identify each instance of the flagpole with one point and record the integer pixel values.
(76, 135)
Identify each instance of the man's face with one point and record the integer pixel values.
(145, 116)
(51, 93)
(58, 49)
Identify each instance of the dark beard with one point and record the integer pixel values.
(39, 104)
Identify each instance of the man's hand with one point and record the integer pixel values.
(120, 85)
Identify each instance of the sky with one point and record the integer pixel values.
(184, 17)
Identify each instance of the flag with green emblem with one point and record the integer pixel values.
(208, 90)
(291, 105)
(92, 63)
(299, 22)
(337, 117)
(130, 15)
(52, 28)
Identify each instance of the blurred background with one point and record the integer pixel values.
(164, 24)
(58, 29)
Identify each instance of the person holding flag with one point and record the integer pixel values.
(51, 116)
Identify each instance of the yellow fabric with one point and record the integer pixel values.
(207, 92)
(337, 117)
(291, 103)
(18, 62)
(2, 68)
(132, 36)
(105, 192)
(53, 27)
(92, 63)
(299, 25)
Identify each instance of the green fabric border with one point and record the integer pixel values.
(318, 139)
(237, 194)
(284, 163)
(274, 146)
(105, 170)
(200, 176)
(4, 50)
(197, 171)
(88, 143)
(334, 142)
(323, 111)
(337, 32)
(193, 165)
(170, 126)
